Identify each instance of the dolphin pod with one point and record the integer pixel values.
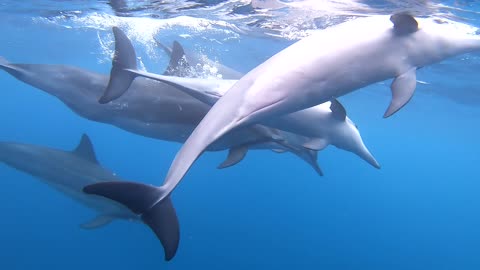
(81, 168)
(328, 64)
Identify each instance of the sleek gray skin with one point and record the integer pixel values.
(329, 63)
(191, 62)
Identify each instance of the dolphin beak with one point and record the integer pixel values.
(368, 157)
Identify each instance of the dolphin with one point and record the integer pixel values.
(329, 63)
(184, 64)
(152, 109)
(70, 171)
(332, 126)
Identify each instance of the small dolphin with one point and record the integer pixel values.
(329, 63)
(70, 171)
(183, 64)
(152, 109)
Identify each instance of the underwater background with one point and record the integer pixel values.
(419, 211)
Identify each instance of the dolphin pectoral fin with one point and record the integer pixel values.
(178, 65)
(124, 58)
(97, 222)
(235, 155)
(313, 161)
(404, 23)
(316, 144)
(402, 89)
(143, 200)
(279, 151)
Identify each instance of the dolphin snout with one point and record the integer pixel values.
(368, 157)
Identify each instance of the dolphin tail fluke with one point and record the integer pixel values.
(143, 200)
(124, 58)
(8, 67)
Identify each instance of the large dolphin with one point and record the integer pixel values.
(152, 109)
(70, 171)
(332, 126)
(329, 63)
(323, 125)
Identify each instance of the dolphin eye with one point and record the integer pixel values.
(356, 126)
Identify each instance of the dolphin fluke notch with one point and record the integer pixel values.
(142, 199)
(124, 58)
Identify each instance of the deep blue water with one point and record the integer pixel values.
(420, 211)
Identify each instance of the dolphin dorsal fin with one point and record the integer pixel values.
(85, 149)
(404, 23)
(178, 65)
(338, 110)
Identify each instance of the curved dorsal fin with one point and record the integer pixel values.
(178, 65)
(404, 23)
(85, 150)
(338, 110)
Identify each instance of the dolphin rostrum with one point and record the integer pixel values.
(329, 63)
(70, 171)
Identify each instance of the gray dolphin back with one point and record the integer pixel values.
(142, 200)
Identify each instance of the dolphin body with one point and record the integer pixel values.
(329, 63)
(152, 109)
(70, 171)
(331, 124)
(320, 125)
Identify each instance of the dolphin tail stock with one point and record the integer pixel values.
(124, 58)
(142, 199)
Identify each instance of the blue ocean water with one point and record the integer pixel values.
(419, 211)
